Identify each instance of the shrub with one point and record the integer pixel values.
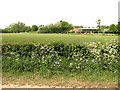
(58, 57)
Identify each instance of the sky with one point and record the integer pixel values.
(43, 12)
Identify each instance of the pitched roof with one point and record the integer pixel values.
(76, 29)
(70, 30)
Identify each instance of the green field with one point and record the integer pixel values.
(46, 38)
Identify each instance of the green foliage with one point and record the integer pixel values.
(65, 26)
(60, 27)
(28, 29)
(73, 32)
(18, 27)
(112, 28)
(6, 30)
(34, 28)
(118, 28)
(58, 57)
(15, 28)
(115, 28)
(102, 27)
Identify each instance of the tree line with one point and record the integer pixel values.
(19, 27)
(59, 27)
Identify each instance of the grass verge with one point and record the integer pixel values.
(73, 80)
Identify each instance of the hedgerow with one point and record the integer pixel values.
(58, 57)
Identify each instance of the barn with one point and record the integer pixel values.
(84, 30)
(89, 30)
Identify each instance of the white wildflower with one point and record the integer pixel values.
(90, 45)
(33, 54)
(11, 53)
(77, 67)
(42, 47)
(98, 42)
(60, 60)
(71, 64)
(17, 58)
(110, 51)
(92, 60)
(76, 59)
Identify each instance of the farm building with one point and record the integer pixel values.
(84, 30)
(75, 30)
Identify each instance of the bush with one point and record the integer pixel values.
(58, 57)
(6, 31)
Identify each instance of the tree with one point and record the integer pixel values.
(60, 27)
(17, 27)
(41, 25)
(118, 28)
(102, 27)
(34, 28)
(28, 29)
(65, 26)
(98, 25)
(1, 30)
(112, 28)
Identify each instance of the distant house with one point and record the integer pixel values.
(84, 30)
(75, 30)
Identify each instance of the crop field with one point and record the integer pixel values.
(46, 38)
(88, 57)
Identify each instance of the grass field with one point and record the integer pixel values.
(46, 38)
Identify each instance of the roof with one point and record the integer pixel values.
(76, 29)
(70, 30)
(88, 28)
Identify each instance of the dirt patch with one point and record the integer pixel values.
(51, 86)
(55, 82)
(25, 86)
